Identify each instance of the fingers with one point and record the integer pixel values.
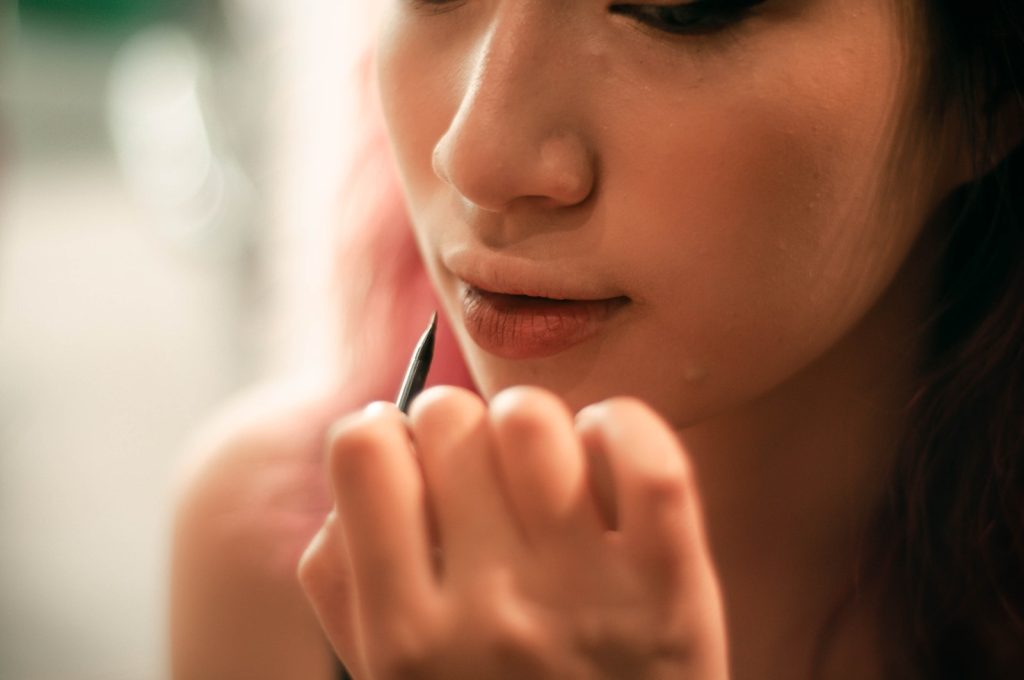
(456, 451)
(490, 477)
(325, 575)
(541, 460)
(380, 504)
(657, 507)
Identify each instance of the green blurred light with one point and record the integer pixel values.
(97, 13)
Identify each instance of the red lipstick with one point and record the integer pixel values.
(526, 327)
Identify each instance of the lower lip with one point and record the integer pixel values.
(521, 327)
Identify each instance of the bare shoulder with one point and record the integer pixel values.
(255, 474)
(250, 494)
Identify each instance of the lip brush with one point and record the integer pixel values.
(412, 384)
(419, 366)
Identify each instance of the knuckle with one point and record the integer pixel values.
(663, 487)
(611, 644)
(626, 407)
(509, 639)
(355, 437)
(510, 650)
(525, 411)
(595, 632)
(445, 408)
(677, 650)
(665, 460)
(631, 644)
(316, 580)
(632, 413)
(405, 650)
(609, 419)
(377, 412)
(309, 570)
(441, 400)
(318, 568)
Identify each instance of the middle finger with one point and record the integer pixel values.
(453, 439)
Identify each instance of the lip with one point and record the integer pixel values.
(529, 277)
(525, 327)
(525, 308)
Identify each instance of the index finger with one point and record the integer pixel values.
(380, 499)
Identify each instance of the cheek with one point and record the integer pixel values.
(769, 204)
(419, 99)
(744, 205)
(741, 207)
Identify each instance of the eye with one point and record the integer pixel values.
(691, 18)
(435, 6)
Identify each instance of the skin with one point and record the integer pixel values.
(761, 197)
(528, 580)
(560, 133)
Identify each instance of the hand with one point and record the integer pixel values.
(513, 542)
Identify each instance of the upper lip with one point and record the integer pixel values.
(506, 275)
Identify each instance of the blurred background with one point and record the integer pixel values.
(167, 175)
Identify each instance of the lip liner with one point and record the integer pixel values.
(419, 366)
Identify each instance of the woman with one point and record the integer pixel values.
(761, 263)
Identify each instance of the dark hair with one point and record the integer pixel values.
(950, 541)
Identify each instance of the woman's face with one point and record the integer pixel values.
(691, 197)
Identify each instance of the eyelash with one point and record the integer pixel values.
(700, 17)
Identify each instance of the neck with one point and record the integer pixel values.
(789, 484)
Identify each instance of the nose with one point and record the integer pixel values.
(516, 136)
